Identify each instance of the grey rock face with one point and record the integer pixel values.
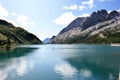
(113, 14)
(92, 25)
(76, 23)
(95, 18)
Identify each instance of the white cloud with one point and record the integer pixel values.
(65, 18)
(14, 18)
(23, 20)
(85, 15)
(109, 11)
(14, 14)
(71, 7)
(14, 22)
(90, 3)
(3, 12)
(82, 7)
(105, 0)
(32, 23)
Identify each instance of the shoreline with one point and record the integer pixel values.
(115, 44)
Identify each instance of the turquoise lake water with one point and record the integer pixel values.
(61, 62)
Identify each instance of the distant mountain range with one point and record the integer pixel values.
(46, 40)
(100, 27)
(9, 34)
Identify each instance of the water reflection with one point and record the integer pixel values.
(65, 70)
(3, 76)
(15, 63)
(85, 73)
(18, 52)
(119, 76)
(111, 77)
(70, 72)
(23, 66)
(96, 68)
(61, 62)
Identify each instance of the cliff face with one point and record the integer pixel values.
(76, 23)
(98, 22)
(15, 35)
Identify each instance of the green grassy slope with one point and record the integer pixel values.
(16, 35)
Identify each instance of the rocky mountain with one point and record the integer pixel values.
(99, 27)
(9, 34)
(76, 23)
(46, 40)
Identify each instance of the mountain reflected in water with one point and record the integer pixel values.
(17, 52)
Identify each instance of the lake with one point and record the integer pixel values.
(61, 62)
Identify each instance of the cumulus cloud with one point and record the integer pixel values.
(68, 17)
(14, 22)
(24, 21)
(71, 7)
(85, 15)
(82, 7)
(3, 12)
(15, 18)
(65, 18)
(90, 3)
(14, 14)
(105, 0)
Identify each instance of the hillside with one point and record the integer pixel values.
(100, 27)
(9, 34)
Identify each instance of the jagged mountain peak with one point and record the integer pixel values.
(99, 12)
(113, 14)
(84, 26)
(95, 17)
(74, 24)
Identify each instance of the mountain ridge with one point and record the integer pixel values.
(46, 40)
(90, 26)
(9, 34)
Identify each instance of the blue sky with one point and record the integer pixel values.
(46, 18)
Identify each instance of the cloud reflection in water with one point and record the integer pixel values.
(19, 65)
(65, 69)
(85, 73)
(3, 75)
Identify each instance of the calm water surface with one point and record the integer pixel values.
(61, 62)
